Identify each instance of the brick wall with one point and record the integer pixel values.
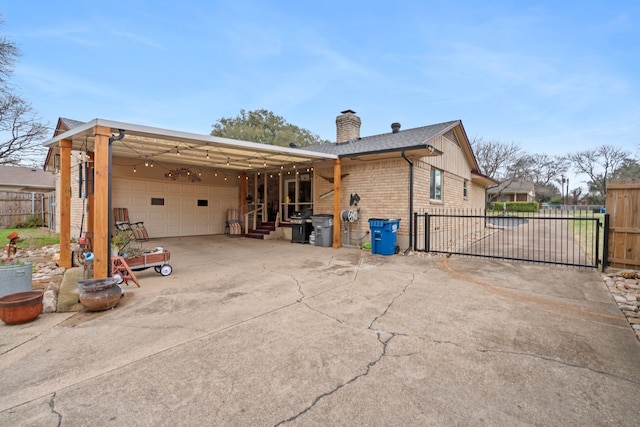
(383, 187)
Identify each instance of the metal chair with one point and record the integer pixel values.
(122, 222)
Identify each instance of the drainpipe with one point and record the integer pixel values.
(410, 202)
(112, 139)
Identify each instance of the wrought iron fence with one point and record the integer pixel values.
(563, 237)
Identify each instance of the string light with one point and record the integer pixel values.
(146, 163)
(207, 154)
(227, 161)
(177, 151)
(134, 169)
(151, 164)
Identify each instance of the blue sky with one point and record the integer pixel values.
(555, 76)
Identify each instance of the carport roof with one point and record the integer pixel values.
(145, 143)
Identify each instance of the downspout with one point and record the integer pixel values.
(410, 248)
(112, 139)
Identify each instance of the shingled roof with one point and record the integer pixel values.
(21, 179)
(403, 140)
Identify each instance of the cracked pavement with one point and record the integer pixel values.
(247, 332)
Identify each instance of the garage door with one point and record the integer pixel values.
(171, 209)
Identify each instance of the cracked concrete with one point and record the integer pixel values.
(271, 333)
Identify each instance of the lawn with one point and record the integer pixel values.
(31, 238)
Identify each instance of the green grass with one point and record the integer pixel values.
(583, 232)
(31, 238)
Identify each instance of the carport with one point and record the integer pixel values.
(102, 140)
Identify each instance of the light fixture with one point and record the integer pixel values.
(151, 164)
(134, 169)
(227, 161)
(207, 154)
(146, 163)
(215, 173)
(265, 164)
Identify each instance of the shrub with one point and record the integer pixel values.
(515, 206)
(32, 222)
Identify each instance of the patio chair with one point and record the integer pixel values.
(122, 222)
(233, 226)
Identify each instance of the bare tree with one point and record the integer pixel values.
(598, 164)
(498, 160)
(20, 127)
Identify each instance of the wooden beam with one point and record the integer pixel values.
(65, 203)
(101, 232)
(337, 189)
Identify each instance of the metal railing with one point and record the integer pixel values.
(567, 237)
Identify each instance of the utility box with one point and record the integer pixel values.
(323, 228)
(383, 236)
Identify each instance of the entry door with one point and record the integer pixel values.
(289, 198)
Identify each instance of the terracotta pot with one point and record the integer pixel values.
(99, 294)
(21, 307)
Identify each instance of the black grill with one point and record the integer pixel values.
(300, 227)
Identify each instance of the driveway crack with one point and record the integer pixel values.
(52, 405)
(383, 340)
(383, 337)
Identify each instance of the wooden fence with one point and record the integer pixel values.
(623, 206)
(19, 207)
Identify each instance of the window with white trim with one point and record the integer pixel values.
(435, 184)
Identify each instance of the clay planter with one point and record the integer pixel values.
(99, 294)
(20, 307)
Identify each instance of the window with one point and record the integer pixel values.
(202, 202)
(156, 201)
(465, 191)
(435, 185)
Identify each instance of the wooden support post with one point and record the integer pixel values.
(90, 187)
(101, 232)
(65, 203)
(337, 188)
(243, 196)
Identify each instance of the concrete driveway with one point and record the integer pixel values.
(269, 333)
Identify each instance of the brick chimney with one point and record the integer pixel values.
(347, 126)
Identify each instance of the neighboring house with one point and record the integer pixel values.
(24, 192)
(26, 180)
(513, 191)
(183, 184)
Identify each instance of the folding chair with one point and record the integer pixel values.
(233, 227)
(122, 222)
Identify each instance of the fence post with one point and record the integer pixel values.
(415, 231)
(427, 232)
(605, 243)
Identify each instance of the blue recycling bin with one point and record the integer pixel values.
(383, 235)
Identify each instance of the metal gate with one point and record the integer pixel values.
(570, 237)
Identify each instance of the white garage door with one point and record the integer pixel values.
(180, 209)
